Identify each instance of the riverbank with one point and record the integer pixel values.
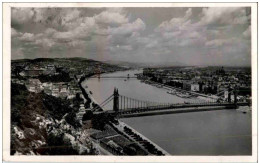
(245, 109)
(122, 125)
(203, 96)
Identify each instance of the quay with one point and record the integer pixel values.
(145, 138)
(182, 90)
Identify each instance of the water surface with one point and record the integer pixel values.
(223, 132)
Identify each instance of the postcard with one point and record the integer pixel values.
(130, 82)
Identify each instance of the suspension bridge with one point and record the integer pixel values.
(124, 107)
(119, 77)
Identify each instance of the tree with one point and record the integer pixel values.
(87, 116)
(72, 120)
(57, 146)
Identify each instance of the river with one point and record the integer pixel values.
(223, 132)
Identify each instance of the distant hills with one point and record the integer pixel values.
(144, 64)
(118, 63)
(54, 59)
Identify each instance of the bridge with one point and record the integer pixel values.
(119, 77)
(125, 107)
(124, 77)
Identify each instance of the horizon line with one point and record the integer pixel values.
(183, 64)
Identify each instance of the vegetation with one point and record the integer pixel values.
(61, 77)
(56, 145)
(25, 106)
(72, 120)
(24, 103)
(87, 116)
(18, 101)
(100, 120)
(34, 115)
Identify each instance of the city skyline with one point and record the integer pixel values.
(190, 36)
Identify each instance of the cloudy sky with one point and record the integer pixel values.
(192, 36)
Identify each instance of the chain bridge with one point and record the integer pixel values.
(125, 107)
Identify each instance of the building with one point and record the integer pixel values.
(49, 70)
(186, 85)
(17, 81)
(51, 67)
(31, 72)
(55, 90)
(165, 80)
(34, 81)
(191, 86)
(47, 91)
(81, 112)
(75, 90)
(195, 87)
(64, 88)
(107, 132)
(34, 85)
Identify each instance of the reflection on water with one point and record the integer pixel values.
(226, 132)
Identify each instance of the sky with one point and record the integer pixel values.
(191, 36)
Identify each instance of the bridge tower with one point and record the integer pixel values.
(116, 100)
(235, 92)
(235, 97)
(229, 94)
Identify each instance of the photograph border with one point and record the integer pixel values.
(6, 87)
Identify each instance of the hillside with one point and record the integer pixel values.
(43, 124)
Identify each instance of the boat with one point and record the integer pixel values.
(171, 92)
(180, 95)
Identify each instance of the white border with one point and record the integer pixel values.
(6, 89)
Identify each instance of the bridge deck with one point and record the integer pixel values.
(174, 106)
(173, 111)
(125, 77)
(134, 112)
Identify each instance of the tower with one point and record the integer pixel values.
(229, 94)
(116, 100)
(235, 97)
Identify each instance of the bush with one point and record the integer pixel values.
(61, 77)
(57, 146)
(72, 120)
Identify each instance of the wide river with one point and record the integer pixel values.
(224, 132)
